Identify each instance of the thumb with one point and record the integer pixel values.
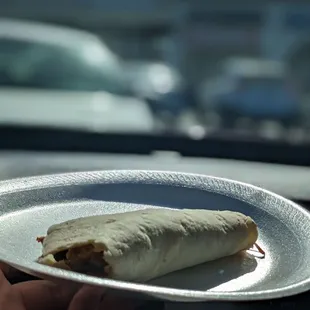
(4, 283)
(41, 294)
(87, 298)
(95, 298)
(4, 268)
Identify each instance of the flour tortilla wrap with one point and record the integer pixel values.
(145, 244)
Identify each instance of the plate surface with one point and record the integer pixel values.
(29, 206)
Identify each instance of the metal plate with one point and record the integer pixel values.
(29, 206)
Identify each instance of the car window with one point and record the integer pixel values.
(47, 66)
(262, 82)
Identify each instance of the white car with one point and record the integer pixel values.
(58, 76)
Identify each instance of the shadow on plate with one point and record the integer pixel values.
(209, 275)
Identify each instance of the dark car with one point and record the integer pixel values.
(254, 89)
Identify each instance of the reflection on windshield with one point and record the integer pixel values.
(190, 67)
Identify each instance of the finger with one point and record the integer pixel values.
(5, 268)
(115, 303)
(4, 284)
(14, 275)
(87, 298)
(8, 299)
(41, 294)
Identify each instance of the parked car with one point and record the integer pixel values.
(255, 89)
(58, 72)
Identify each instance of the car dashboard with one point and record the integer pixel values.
(288, 181)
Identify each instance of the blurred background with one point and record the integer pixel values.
(194, 68)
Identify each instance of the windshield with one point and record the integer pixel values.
(189, 68)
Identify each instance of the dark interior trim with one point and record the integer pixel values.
(27, 138)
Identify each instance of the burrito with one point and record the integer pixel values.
(146, 244)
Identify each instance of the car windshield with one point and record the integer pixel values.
(183, 68)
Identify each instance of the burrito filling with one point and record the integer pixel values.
(83, 259)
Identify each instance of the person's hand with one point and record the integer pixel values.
(94, 298)
(33, 295)
(44, 295)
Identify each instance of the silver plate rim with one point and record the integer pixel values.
(151, 177)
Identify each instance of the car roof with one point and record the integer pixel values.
(60, 36)
(251, 67)
(44, 33)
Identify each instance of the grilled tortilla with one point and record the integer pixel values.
(145, 244)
